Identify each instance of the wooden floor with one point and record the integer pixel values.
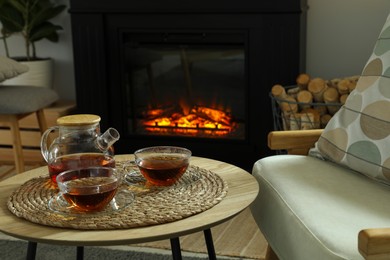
(239, 237)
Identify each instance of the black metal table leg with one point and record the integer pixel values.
(80, 253)
(175, 247)
(209, 244)
(31, 250)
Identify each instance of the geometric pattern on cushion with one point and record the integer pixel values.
(358, 135)
(10, 68)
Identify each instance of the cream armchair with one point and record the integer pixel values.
(334, 203)
(309, 208)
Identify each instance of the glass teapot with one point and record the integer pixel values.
(79, 144)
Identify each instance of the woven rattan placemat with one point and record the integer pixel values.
(198, 191)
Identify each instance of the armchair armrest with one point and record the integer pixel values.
(294, 141)
(374, 243)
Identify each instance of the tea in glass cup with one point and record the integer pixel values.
(162, 165)
(89, 189)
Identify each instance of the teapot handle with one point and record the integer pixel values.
(44, 150)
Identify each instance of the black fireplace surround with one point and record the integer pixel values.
(272, 33)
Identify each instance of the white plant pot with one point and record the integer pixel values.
(40, 74)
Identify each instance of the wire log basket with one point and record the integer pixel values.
(289, 114)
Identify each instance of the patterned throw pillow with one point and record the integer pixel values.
(10, 68)
(358, 136)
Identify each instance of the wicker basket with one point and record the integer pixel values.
(305, 115)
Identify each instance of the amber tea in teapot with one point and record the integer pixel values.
(76, 161)
(79, 144)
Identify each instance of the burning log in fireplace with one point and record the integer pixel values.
(199, 120)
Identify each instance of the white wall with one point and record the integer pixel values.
(340, 37)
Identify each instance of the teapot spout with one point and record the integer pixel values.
(107, 139)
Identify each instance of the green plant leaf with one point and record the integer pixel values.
(11, 19)
(30, 18)
(44, 14)
(45, 30)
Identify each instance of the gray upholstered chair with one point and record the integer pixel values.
(17, 102)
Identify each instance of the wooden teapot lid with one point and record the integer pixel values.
(79, 119)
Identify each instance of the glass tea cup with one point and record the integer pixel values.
(162, 165)
(89, 189)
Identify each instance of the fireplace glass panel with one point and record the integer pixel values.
(177, 86)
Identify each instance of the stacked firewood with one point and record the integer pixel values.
(312, 102)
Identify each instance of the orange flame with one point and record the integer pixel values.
(199, 119)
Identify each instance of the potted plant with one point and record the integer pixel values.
(31, 20)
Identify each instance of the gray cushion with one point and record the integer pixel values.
(25, 99)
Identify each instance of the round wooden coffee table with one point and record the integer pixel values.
(242, 190)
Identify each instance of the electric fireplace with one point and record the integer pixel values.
(195, 75)
(185, 84)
